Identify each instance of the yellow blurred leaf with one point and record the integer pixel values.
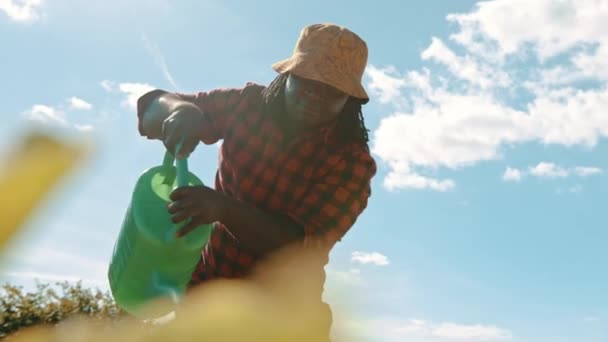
(29, 173)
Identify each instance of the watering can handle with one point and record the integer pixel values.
(181, 166)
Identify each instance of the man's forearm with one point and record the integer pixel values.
(257, 230)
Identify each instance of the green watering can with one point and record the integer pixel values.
(149, 264)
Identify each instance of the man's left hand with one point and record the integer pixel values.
(201, 204)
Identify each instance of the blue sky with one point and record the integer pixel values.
(487, 120)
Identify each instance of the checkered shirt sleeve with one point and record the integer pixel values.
(220, 107)
(334, 203)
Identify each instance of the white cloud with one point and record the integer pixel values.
(384, 84)
(591, 319)
(354, 271)
(395, 180)
(584, 171)
(593, 65)
(343, 278)
(475, 332)
(551, 171)
(21, 10)
(512, 174)
(494, 94)
(45, 114)
(413, 326)
(387, 84)
(53, 116)
(133, 92)
(419, 330)
(373, 258)
(467, 68)
(84, 128)
(548, 170)
(108, 85)
(503, 26)
(456, 131)
(79, 104)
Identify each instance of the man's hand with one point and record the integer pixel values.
(200, 203)
(173, 120)
(258, 231)
(183, 125)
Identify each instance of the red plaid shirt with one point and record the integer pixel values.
(319, 183)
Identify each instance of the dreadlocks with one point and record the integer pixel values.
(350, 125)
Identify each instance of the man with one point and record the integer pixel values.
(294, 167)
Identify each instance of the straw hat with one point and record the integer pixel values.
(330, 54)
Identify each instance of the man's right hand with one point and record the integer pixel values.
(173, 120)
(183, 126)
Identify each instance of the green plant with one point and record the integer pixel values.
(49, 305)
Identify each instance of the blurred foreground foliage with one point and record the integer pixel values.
(273, 304)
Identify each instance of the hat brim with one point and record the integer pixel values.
(324, 73)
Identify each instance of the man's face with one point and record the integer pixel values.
(311, 103)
